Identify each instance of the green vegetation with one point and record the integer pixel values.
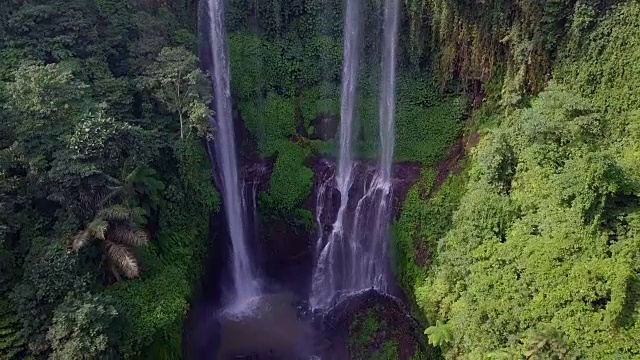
(289, 184)
(426, 217)
(285, 73)
(101, 176)
(534, 253)
(527, 248)
(362, 330)
(372, 337)
(365, 332)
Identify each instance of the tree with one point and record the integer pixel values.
(117, 230)
(123, 209)
(140, 188)
(82, 327)
(177, 82)
(42, 102)
(11, 344)
(540, 237)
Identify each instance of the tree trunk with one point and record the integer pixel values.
(181, 127)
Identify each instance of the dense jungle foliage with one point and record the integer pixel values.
(105, 190)
(528, 250)
(286, 65)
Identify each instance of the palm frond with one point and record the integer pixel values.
(97, 228)
(139, 215)
(81, 240)
(109, 178)
(113, 193)
(142, 237)
(133, 175)
(123, 259)
(115, 213)
(146, 173)
(126, 236)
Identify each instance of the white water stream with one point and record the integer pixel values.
(245, 283)
(353, 256)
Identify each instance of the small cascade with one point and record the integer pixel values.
(245, 283)
(356, 258)
(353, 255)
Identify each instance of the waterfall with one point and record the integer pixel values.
(347, 106)
(245, 283)
(326, 279)
(353, 256)
(388, 90)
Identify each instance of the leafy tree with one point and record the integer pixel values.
(529, 244)
(175, 80)
(82, 327)
(79, 141)
(42, 102)
(49, 273)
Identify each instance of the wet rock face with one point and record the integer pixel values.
(368, 323)
(404, 175)
(283, 249)
(325, 127)
(257, 173)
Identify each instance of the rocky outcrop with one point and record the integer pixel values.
(339, 328)
(325, 127)
(403, 175)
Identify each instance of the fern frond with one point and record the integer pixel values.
(126, 236)
(97, 228)
(115, 213)
(81, 240)
(123, 259)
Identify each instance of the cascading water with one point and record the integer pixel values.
(245, 283)
(388, 91)
(353, 256)
(347, 106)
(326, 281)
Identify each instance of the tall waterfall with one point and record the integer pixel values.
(347, 106)
(245, 284)
(326, 278)
(388, 90)
(353, 256)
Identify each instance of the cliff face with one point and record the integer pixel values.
(371, 325)
(288, 248)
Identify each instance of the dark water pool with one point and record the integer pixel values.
(267, 328)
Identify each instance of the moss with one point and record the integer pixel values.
(363, 330)
(271, 122)
(425, 219)
(290, 182)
